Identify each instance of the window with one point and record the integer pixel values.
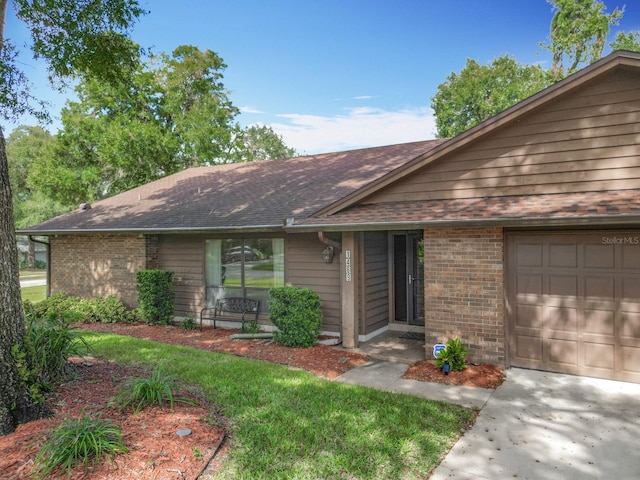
(243, 268)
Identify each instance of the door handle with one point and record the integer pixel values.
(410, 279)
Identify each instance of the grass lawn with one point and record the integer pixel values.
(34, 294)
(289, 424)
(32, 274)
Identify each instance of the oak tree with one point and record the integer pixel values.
(74, 38)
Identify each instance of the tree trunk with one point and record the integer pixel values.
(15, 404)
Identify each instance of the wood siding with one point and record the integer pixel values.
(586, 141)
(304, 268)
(184, 256)
(375, 284)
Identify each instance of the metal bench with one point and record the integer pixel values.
(237, 306)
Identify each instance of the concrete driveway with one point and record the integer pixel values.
(541, 425)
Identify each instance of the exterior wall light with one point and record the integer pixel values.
(327, 254)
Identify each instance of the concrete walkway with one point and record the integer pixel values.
(536, 426)
(384, 375)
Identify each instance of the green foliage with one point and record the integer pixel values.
(155, 301)
(82, 441)
(479, 92)
(578, 33)
(144, 392)
(261, 143)
(455, 354)
(188, 323)
(297, 314)
(59, 305)
(404, 437)
(49, 342)
(74, 309)
(108, 310)
(178, 115)
(627, 41)
(252, 326)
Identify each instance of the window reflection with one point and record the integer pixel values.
(243, 267)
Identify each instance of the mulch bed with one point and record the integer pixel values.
(156, 452)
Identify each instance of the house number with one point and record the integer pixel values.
(347, 265)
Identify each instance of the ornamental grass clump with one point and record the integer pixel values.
(144, 392)
(80, 441)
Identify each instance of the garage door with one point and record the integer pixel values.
(574, 303)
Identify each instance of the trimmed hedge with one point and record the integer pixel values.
(297, 314)
(155, 301)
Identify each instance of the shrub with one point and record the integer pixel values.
(59, 305)
(455, 353)
(297, 314)
(155, 302)
(143, 392)
(110, 310)
(49, 342)
(78, 441)
(189, 323)
(74, 309)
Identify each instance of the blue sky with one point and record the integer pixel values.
(340, 74)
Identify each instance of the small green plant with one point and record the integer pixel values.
(297, 314)
(143, 392)
(155, 302)
(198, 454)
(78, 442)
(454, 353)
(252, 326)
(188, 323)
(48, 343)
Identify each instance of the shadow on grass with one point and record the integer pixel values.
(287, 423)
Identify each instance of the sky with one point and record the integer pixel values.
(335, 75)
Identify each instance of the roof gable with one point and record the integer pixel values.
(446, 150)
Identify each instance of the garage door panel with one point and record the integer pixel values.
(529, 348)
(630, 289)
(529, 255)
(630, 257)
(599, 322)
(561, 319)
(563, 285)
(630, 325)
(563, 352)
(529, 288)
(529, 316)
(562, 256)
(597, 355)
(630, 359)
(599, 256)
(599, 287)
(576, 303)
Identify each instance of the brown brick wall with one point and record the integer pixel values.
(464, 291)
(91, 265)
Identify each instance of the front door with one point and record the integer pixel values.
(408, 278)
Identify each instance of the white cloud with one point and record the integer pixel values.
(250, 110)
(358, 128)
(363, 97)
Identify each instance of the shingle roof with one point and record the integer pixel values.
(607, 206)
(258, 195)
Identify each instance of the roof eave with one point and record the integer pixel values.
(534, 222)
(154, 231)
